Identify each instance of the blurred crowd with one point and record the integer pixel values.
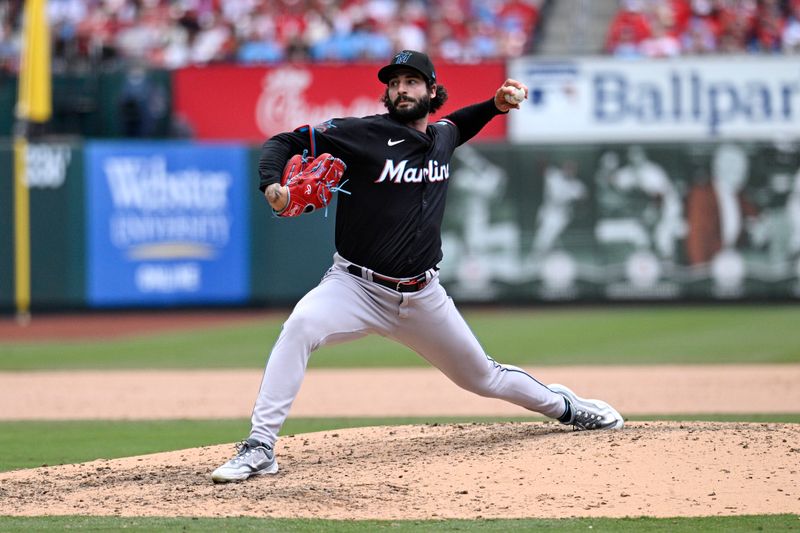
(668, 28)
(170, 34)
(178, 33)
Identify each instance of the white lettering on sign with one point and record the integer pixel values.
(608, 100)
(46, 165)
(155, 205)
(168, 278)
(131, 229)
(144, 183)
(283, 104)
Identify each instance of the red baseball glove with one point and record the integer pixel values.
(311, 184)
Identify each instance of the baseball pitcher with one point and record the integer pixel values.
(391, 172)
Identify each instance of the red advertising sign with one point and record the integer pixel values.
(253, 103)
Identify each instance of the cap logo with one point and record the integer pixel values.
(402, 57)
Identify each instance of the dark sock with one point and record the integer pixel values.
(567, 416)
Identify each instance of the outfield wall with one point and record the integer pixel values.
(156, 224)
(634, 221)
(178, 223)
(616, 180)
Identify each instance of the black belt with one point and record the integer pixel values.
(400, 285)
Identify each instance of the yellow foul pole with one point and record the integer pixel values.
(22, 233)
(34, 105)
(34, 101)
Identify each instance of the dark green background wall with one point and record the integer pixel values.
(58, 243)
(288, 255)
(502, 185)
(127, 103)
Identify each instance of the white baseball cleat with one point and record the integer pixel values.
(253, 458)
(588, 414)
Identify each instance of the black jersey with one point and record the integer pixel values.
(396, 177)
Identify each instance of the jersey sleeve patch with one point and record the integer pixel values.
(311, 140)
(325, 126)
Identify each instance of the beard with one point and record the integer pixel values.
(419, 109)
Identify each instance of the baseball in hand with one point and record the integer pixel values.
(516, 97)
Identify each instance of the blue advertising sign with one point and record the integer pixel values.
(166, 223)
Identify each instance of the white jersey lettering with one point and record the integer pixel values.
(401, 173)
(389, 171)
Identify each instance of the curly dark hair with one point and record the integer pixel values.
(436, 102)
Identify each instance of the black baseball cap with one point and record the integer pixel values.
(409, 59)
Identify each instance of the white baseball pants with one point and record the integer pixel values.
(345, 307)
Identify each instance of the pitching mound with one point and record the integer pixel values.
(510, 470)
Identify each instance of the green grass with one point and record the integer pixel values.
(607, 335)
(728, 524)
(33, 443)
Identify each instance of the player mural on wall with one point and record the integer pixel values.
(640, 221)
(659, 224)
(717, 208)
(384, 278)
(482, 247)
(793, 216)
(744, 218)
(721, 217)
(562, 190)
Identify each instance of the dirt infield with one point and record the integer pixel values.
(199, 394)
(509, 470)
(505, 470)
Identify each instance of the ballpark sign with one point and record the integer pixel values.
(690, 99)
(233, 102)
(167, 223)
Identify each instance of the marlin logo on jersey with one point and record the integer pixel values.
(402, 173)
